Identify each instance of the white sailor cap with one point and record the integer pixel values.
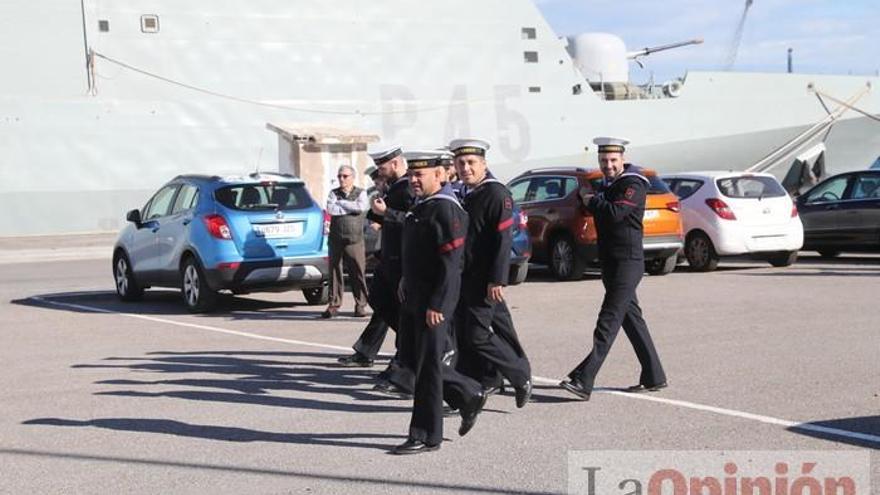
(608, 144)
(469, 146)
(385, 153)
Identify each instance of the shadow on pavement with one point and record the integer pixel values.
(263, 379)
(866, 427)
(163, 302)
(378, 483)
(223, 433)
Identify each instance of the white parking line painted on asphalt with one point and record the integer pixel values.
(864, 437)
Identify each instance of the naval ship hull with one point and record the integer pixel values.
(81, 146)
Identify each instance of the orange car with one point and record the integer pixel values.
(563, 233)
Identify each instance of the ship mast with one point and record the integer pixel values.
(737, 37)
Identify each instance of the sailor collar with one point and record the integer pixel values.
(489, 178)
(630, 170)
(444, 194)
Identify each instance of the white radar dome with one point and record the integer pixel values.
(601, 57)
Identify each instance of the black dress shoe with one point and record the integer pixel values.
(470, 413)
(576, 387)
(414, 447)
(640, 389)
(329, 312)
(392, 390)
(523, 394)
(356, 360)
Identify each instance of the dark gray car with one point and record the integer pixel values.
(842, 213)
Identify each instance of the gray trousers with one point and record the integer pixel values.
(354, 258)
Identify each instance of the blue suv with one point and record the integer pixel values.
(204, 234)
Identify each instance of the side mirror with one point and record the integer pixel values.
(134, 216)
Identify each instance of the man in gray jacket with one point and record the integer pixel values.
(347, 205)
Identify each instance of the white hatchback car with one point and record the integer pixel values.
(735, 213)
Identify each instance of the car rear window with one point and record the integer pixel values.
(271, 196)
(657, 185)
(750, 187)
(684, 188)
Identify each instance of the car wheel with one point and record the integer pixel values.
(700, 252)
(518, 274)
(317, 295)
(197, 296)
(564, 261)
(827, 253)
(784, 258)
(661, 266)
(127, 287)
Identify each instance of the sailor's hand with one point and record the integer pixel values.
(433, 318)
(378, 206)
(375, 226)
(584, 194)
(495, 293)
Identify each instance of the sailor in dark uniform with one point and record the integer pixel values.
(367, 347)
(448, 160)
(389, 210)
(487, 264)
(618, 210)
(432, 259)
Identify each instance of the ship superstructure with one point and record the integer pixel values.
(103, 101)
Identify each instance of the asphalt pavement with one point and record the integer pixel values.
(101, 396)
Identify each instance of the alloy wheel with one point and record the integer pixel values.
(563, 258)
(121, 276)
(699, 252)
(191, 285)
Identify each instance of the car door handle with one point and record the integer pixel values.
(832, 207)
(186, 221)
(551, 211)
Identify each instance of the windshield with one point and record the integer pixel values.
(750, 187)
(265, 196)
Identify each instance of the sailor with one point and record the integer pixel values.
(367, 347)
(487, 264)
(389, 210)
(433, 248)
(618, 210)
(448, 161)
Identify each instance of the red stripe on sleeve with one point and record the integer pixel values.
(505, 224)
(451, 246)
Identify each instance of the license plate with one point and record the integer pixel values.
(276, 230)
(651, 214)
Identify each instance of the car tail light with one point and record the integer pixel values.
(523, 221)
(794, 211)
(218, 227)
(326, 223)
(721, 209)
(673, 206)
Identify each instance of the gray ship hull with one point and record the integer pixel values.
(78, 149)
